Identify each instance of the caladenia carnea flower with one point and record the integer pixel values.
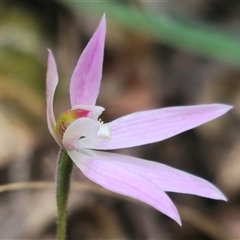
(80, 133)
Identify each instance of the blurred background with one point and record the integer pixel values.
(157, 54)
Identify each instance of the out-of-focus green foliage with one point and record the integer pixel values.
(22, 71)
(19, 41)
(196, 37)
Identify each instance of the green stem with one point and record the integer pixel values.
(64, 171)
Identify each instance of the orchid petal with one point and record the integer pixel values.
(80, 132)
(86, 78)
(52, 82)
(167, 178)
(115, 177)
(156, 125)
(95, 111)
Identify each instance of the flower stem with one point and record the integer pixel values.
(64, 171)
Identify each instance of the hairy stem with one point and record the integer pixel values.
(64, 171)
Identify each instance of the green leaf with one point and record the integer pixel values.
(197, 38)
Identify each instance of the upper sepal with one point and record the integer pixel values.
(87, 75)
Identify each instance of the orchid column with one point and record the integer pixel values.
(80, 135)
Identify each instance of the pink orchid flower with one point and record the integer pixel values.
(82, 135)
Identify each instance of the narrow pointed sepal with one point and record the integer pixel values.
(156, 125)
(115, 177)
(51, 84)
(87, 75)
(166, 178)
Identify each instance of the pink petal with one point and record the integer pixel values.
(52, 82)
(86, 78)
(167, 178)
(156, 125)
(115, 177)
(95, 111)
